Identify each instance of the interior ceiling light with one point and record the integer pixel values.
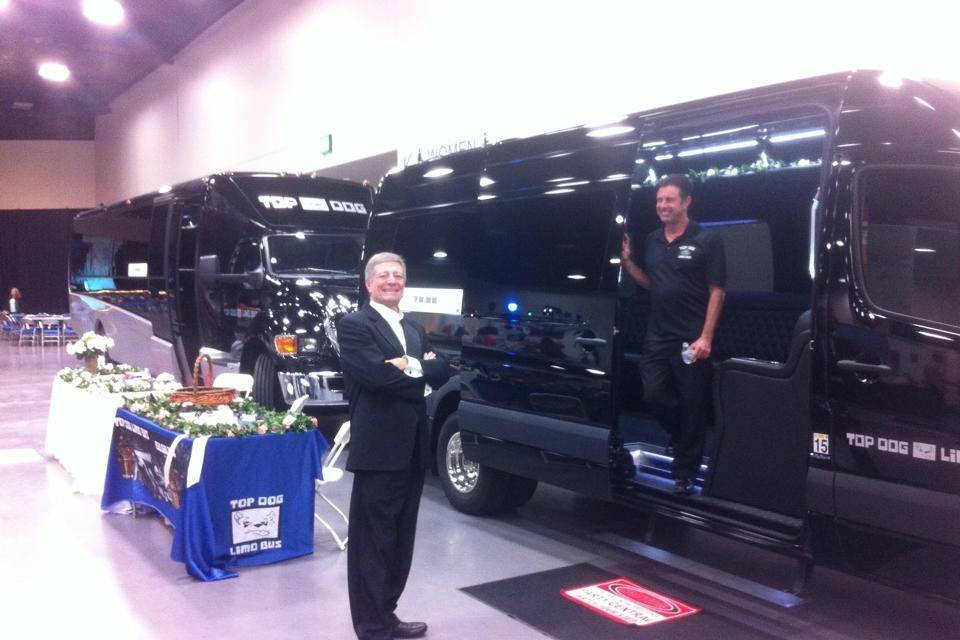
(726, 131)
(486, 182)
(105, 12)
(799, 135)
(4, 4)
(54, 71)
(742, 144)
(21, 106)
(439, 172)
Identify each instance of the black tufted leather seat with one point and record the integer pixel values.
(763, 424)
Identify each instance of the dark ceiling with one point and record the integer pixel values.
(103, 61)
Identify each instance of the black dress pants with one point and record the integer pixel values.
(383, 524)
(680, 396)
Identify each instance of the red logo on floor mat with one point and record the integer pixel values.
(627, 602)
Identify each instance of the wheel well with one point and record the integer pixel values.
(251, 352)
(447, 406)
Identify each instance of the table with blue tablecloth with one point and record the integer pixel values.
(232, 502)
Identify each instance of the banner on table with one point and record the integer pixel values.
(141, 454)
(232, 501)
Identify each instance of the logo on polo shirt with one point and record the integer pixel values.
(687, 251)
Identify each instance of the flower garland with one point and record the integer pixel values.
(242, 417)
(761, 164)
(118, 378)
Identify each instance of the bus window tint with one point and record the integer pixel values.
(909, 223)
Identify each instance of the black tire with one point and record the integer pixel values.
(266, 386)
(519, 492)
(477, 489)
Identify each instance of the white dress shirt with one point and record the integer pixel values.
(414, 368)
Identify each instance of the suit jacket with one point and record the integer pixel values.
(388, 413)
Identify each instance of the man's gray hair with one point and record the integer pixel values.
(378, 258)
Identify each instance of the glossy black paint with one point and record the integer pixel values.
(525, 364)
(241, 303)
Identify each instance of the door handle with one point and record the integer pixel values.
(855, 366)
(591, 341)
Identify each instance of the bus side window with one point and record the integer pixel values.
(912, 237)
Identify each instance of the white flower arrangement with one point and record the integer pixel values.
(90, 344)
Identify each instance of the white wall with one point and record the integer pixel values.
(260, 89)
(47, 174)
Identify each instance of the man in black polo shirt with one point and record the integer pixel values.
(684, 268)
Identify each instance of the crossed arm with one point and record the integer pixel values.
(361, 358)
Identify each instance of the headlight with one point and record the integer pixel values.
(308, 345)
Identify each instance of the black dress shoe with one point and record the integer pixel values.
(409, 629)
(684, 486)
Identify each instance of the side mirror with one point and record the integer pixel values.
(208, 266)
(254, 279)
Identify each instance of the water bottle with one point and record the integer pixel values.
(686, 353)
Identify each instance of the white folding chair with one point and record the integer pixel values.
(242, 382)
(331, 474)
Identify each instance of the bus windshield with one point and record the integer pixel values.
(309, 253)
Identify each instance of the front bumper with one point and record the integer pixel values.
(324, 388)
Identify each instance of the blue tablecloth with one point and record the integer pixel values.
(232, 502)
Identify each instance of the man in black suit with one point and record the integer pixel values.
(387, 365)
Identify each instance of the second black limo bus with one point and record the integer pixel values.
(251, 268)
(837, 391)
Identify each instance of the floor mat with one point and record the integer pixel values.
(536, 599)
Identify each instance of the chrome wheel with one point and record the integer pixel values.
(463, 473)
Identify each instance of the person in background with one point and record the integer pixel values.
(15, 300)
(684, 269)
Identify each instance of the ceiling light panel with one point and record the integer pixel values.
(106, 12)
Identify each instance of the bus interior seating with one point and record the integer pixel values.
(752, 393)
(758, 325)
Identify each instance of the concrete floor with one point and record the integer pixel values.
(69, 569)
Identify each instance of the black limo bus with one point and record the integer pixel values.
(250, 268)
(837, 386)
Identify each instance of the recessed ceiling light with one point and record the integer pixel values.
(54, 71)
(4, 4)
(105, 12)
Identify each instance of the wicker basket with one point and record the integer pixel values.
(203, 395)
